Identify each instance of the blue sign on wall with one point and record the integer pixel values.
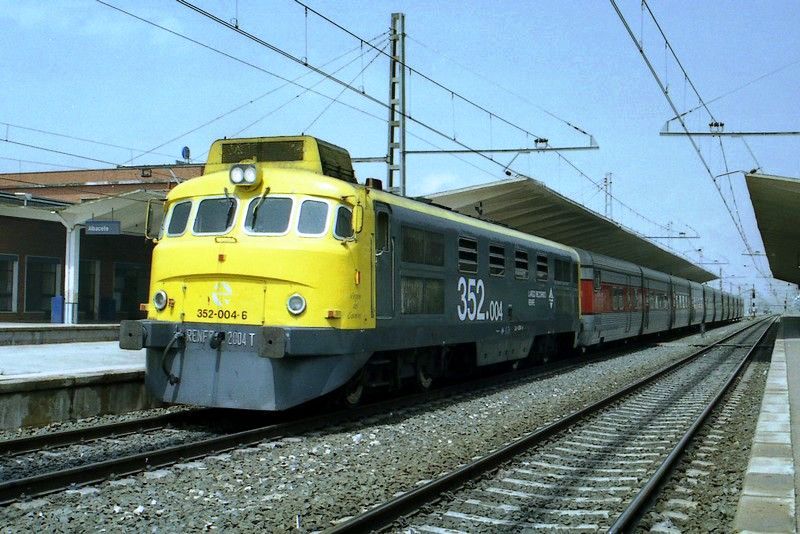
(103, 228)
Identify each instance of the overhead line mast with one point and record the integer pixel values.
(396, 148)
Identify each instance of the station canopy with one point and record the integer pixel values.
(129, 208)
(776, 203)
(529, 206)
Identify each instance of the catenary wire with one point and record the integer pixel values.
(739, 229)
(66, 136)
(704, 104)
(230, 56)
(341, 92)
(490, 113)
(252, 101)
(60, 166)
(326, 76)
(739, 88)
(418, 73)
(499, 86)
(373, 99)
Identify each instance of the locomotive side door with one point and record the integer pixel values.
(384, 262)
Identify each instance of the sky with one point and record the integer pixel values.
(134, 93)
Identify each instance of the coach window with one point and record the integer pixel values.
(178, 218)
(467, 255)
(215, 215)
(520, 265)
(617, 299)
(542, 271)
(344, 223)
(268, 215)
(497, 260)
(596, 280)
(9, 270)
(313, 218)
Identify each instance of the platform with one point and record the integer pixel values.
(41, 384)
(40, 333)
(772, 481)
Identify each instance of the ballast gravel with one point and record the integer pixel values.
(703, 492)
(310, 482)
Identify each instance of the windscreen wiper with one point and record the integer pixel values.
(258, 205)
(231, 208)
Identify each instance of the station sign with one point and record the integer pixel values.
(103, 228)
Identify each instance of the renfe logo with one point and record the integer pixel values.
(221, 296)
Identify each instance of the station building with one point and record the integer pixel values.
(79, 235)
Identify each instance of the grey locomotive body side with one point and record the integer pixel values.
(447, 283)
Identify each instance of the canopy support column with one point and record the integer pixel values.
(71, 272)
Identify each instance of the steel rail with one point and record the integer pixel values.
(15, 447)
(383, 515)
(13, 490)
(50, 482)
(633, 512)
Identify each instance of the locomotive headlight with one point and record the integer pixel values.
(296, 304)
(160, 299)
(237, 175)
(250, 174)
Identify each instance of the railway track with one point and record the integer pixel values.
(54, 477)
(596, 469)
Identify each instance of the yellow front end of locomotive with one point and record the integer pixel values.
(286, 255)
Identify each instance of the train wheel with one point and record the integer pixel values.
(424, 376)
(353, 391)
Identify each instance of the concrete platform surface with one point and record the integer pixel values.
(42, 384)
(39, 361)
(44, 333)
(772, 481)
(18, 326)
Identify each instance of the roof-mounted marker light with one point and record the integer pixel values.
(244, 175)
(250, 174)
(237, 175)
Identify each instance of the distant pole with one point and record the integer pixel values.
(607, 186)
(720, 279)
(396, 150)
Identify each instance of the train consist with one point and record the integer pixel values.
(278, 278)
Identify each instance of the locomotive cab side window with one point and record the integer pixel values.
(382, 232)
(313, 218)
(178, 218)
(467, 255)
(343, 229)
(268, 215)
(215, 215)
(520, 265)
(542, 269)
(497, 260)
